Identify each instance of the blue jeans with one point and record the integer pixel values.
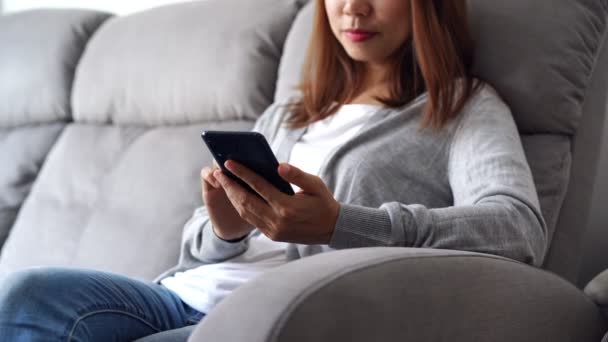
(57, 304)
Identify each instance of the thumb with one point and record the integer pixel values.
(305, 181)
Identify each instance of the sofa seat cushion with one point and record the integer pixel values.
(22, 152)
(113, 198)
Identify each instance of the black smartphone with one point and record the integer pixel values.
(251, 150)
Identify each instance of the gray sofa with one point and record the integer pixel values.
(36, 73)
(100, 154)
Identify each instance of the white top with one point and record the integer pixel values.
(205, 286)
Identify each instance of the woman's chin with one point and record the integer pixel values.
(361, 56)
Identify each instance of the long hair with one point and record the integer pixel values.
(437, 58)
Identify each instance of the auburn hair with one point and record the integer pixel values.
(437, 58)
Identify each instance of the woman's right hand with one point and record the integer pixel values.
(226, 221)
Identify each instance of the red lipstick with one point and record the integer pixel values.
(357, 35)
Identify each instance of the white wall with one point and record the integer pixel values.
(114, 6)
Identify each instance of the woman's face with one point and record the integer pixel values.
(370, 30)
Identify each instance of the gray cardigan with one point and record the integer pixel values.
(465, 187)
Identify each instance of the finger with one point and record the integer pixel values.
(207, 176)
(249, 206)
(242, 199)
(305, 181)
(209, 190)
(206, 187)
(268, 191)
(252, 216)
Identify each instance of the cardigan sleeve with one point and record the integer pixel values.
(199, 241)
(496, 208)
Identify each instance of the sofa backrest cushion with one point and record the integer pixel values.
(39, 51)
(578, 249)
(185, 63)
(22, 153)
(294, 54)
(540, 56)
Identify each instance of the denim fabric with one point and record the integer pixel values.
(58, 304)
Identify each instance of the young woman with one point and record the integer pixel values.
(391, 142)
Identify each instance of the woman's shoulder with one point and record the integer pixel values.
(280, 107)
(485, 95)
(484, 116)
(486, 107)
(274, 117)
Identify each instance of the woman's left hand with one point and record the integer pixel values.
(308, 217)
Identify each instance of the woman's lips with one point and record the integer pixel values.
(359, 35)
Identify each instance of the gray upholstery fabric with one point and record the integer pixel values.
(585, 188)
(177, 335)
(39, 51)
(597, 289)
(545, 56)
(294, 54)
(115, 197)
(401, 294)
(22, 152)
(550, 161)
(595, 252)
(184, 63)
(112, 198)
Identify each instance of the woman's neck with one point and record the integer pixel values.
(369, 95)
(374, 85)
(365, 99)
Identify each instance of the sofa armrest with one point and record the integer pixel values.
(597, 290)
(404, 294)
